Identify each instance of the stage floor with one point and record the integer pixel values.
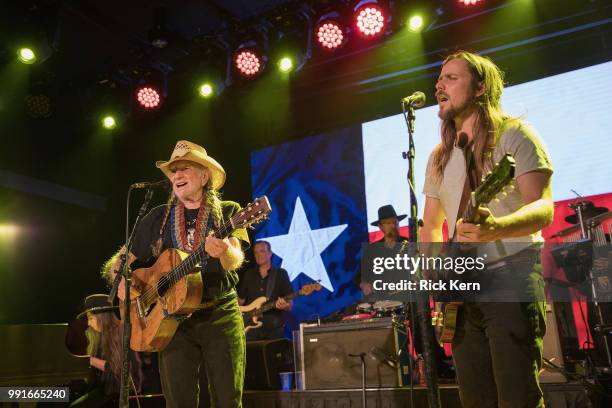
(555, 395)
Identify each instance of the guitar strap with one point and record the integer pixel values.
(271, 282)
(471, 180)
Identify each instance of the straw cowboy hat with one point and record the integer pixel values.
(185, 150)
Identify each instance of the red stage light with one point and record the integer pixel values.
(148, 97)
(370, 20)
(248, 63)
(469, 2)
(330, 35)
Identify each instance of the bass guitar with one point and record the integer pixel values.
(254, 310)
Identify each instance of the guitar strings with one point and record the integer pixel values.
(184, 267)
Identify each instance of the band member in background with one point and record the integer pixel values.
(212, 338)
(498, 346)
(103, 337)
(273, 283)
(388, 222)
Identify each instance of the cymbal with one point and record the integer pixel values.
(588, 210)
(590, 223)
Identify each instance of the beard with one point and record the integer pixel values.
(453, 111)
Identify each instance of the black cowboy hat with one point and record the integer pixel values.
(387, 211)
(588, 211)
(95, 304)
(76, 339)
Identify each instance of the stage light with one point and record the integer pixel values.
(370, 20)
(415, 23)
(159, 35)
(285, 64)
(213, 57)
(290, 38)
(8, 230)
(109, 122)
(206, 90)
(148, 97)
(329, 35)
(248, 63)
(469, 2)
(38, 106)
(26, 55)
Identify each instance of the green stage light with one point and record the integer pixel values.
(109, 122)
(285, 64)
(26, 55)
(415, 23)
(8, 230)
(206, 90)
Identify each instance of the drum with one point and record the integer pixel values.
(364, 308)
(384, 308)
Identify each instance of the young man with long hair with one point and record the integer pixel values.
(497, 349)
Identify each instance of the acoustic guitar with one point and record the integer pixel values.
(444, 316)
(167, 292)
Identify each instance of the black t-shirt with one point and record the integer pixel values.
(216, 281)
(372, 250)
(253, 286)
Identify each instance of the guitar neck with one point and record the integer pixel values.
(199, 255)
(271, 304)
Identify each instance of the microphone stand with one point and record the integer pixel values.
(363, 378)
(126, 273)
(422, 300)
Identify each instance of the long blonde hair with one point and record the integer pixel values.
(490, 119)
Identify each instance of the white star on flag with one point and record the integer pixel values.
(301, 247)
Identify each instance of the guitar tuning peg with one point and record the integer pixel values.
(511, 187)
(496, 200)
(502, 195)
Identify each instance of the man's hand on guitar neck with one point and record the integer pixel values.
(282, 304)
(488, 230)
(227, 250)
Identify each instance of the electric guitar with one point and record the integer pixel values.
(171, 289)
(444, 316)
(253, 311)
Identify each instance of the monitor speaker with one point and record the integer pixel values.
(326, 351)
(264, 361)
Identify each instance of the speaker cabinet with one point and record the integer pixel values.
(264, 361)
(552, 349)
(326, 349)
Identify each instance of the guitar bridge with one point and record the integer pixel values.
(142, 318)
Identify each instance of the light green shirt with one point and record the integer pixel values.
(530, 154)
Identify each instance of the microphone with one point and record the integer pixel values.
(163, 184)
(417, 99)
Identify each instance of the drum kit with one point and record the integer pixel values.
(380, 308)
(585, 255)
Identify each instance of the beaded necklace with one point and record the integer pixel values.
(179, 232)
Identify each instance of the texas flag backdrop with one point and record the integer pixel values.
(325, 190)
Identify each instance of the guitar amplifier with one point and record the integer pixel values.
(265, 359)
(325, 350)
